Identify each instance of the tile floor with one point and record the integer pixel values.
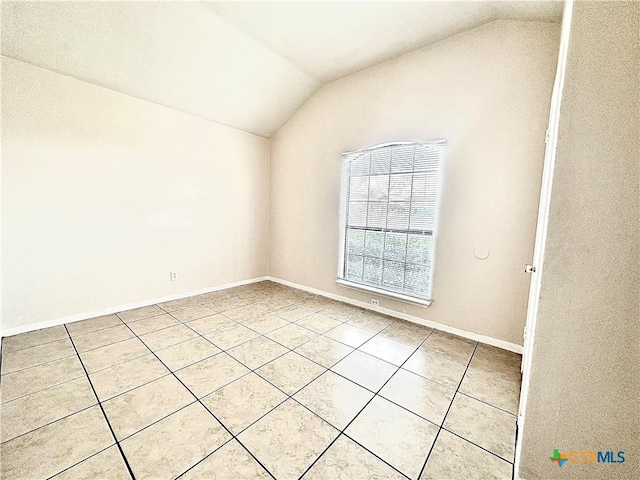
(257, 381)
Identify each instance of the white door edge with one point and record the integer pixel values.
(543, 221)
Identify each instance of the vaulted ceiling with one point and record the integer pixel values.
(248, 65)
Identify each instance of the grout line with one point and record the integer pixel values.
(30, 346)
(424, 465)
(198, 400)
(203, 459)
(296, 301)
(101, 408)
(81, 461)
(376, 394)
(42, 389)
(479, 446)
(288, 396)
(37, 365)
(489, 404)
(53, 421)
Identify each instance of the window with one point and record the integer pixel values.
(389, 213)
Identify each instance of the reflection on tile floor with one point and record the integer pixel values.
(256, 381)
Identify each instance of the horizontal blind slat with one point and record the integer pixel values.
(391, 213)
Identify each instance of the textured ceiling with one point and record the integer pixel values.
(246, 65)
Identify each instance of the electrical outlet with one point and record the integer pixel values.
(375, 302)
(174, 276)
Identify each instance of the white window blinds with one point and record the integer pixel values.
(389, 217)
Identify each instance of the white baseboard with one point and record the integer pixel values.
(410, 318)
(476, 337)
(97, 313)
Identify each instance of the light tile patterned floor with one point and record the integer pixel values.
(256, 381)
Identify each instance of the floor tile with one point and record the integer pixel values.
(293, 296)
(315, 304)
(168, 336)
(270, 304)
(252, 296)
(55, 447)
(410, 334)
(435, 367)
(33, 411)
(178, 442)
(423, 397)
(346, 460)
(372, 321)
(93, 324)
(290, 372)
(105, 357)
(454, 347)
(213, 296)
(293, 313)
(453, 457)
(108, 464)
(229, 337)
(342, 311)
(140, 313)
(336, 399)
(484, 425)
(226, 303)
(179, 304)
(32, 339)
(210, 324)
(266, 323)
(229, 462)
(167, 433)
(34, 379)
(492, 389)
(394, 434)
(365, 370)
(126, 376)
(242, 402)
(325, 351)
(193, 313)
(138, 408)
(288, 440)
(186, 353)
(38, 355)
(349, 335)
(257, 352)
(101, 338)
(208, 375)
(388, 350)
(496, 361)
(318, 323)
(292, 335)
(242, 314)
(148, 325)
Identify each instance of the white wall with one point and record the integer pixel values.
(103, 194)
(487, 92)
(585, 374)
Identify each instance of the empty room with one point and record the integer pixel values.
(320, 240)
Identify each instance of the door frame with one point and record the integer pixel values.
(541, 227)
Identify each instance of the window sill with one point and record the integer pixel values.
(379, 291)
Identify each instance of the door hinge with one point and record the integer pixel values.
(529, 269)
(546, 137)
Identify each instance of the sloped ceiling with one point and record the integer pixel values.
(331, 39)
(243, 64)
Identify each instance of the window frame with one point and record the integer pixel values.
(341, 280)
